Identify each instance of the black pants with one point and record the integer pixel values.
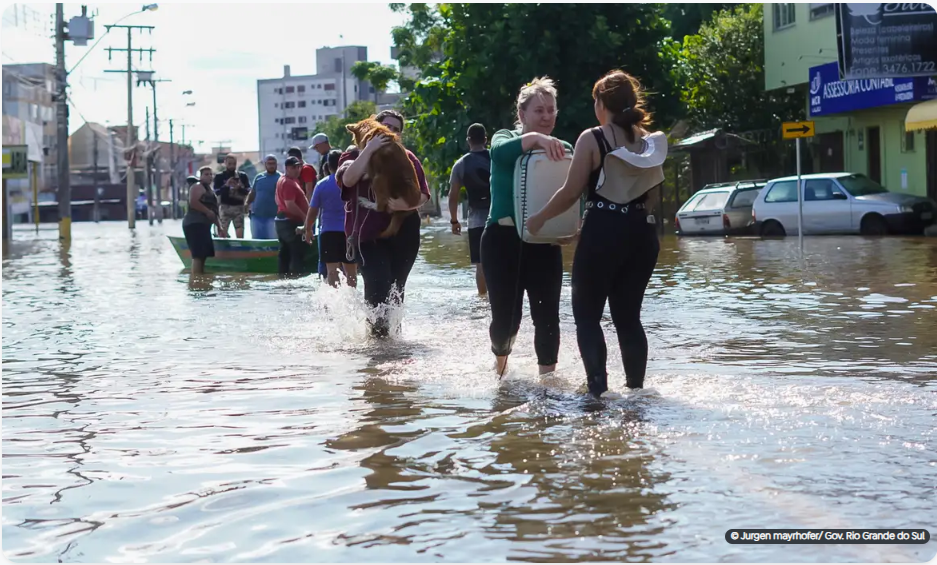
(614, 261)
(292, 250)
(511, 267)
(385, 266)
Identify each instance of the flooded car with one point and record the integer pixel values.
(840, 203)
(719, 209)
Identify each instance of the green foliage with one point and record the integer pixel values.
(473, 59)
(249, 169)
(380, 76)
(686, 19)
(720, 73)
(334, 126)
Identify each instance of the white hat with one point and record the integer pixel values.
(319, 138)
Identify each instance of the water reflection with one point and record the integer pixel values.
(245, 418)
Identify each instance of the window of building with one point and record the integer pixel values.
(276, 104)
(290, 89)
(907, 140)
(302, 104)
(289, 120)
(301, 88)
(319, 86)
(821, 10)
(784, 15)
(330, 86)
(289, 104)
(302, 119)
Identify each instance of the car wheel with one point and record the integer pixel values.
(873, 224)
(772, 229)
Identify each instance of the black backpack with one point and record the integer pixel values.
(476, 176)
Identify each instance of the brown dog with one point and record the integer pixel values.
(390, 170)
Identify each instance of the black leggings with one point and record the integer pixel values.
(292, 248)
(614, 260)
(510, 267)
(385, 266)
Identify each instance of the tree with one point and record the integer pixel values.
(721, 75)
(686, 19)
(249, 169)
(334, 126)
(380, 76)
(473, 58)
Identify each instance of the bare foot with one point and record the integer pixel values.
(501, 365)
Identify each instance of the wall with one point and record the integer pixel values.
(890, 121)
(791, 51)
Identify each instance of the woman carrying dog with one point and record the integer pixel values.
(385, 263)
(510, 265)
(619, 162)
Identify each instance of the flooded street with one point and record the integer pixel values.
(144, 420)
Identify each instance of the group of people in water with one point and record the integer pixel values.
(614, 166)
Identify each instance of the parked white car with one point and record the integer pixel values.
(719, 209)
(839, 203)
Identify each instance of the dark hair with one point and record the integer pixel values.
(477, 133)
(332, 160)
(295, 152)
(621, 95)
(390, 114)
(292, 161)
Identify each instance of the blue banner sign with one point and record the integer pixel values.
(829, 95)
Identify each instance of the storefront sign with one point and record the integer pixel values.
(886, 40)
(829, 95)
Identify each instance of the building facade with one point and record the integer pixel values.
(859, 123)
(289, 107)
(29, 116)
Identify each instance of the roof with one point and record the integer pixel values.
(814, 176)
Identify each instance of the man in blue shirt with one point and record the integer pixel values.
(261, 202)
(327, 197)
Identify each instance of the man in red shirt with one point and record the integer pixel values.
(307, 176)
(292, 206)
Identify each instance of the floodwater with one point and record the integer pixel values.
(250, 419)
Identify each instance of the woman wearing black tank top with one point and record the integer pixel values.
(618, 246)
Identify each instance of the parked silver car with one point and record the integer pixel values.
(719, 209)
(839, 203)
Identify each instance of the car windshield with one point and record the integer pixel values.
(861, 185)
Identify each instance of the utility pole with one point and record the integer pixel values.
(156, 173)
(172, 173)
(131, 195)
(61, 102)
(97, 197)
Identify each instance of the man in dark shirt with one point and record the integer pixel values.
(232, 188)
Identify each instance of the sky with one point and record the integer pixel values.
(216, 50)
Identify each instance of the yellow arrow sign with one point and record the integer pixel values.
(793, 130)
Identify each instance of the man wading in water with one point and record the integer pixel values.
(473, 171)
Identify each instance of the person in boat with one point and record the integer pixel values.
(512, 266)
(232, 186)
(198, 220)
(618, 162)
(291, 214)
(473, 171)
(327, 205)
(384, 263)
(262, 201)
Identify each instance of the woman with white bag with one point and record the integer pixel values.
(618, 162)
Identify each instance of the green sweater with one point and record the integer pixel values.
(505, 150)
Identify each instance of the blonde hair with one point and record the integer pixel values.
(540, 86)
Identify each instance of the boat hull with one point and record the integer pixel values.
(243, 255)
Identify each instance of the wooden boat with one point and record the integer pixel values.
(243, 255)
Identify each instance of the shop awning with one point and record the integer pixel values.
(922, 116)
